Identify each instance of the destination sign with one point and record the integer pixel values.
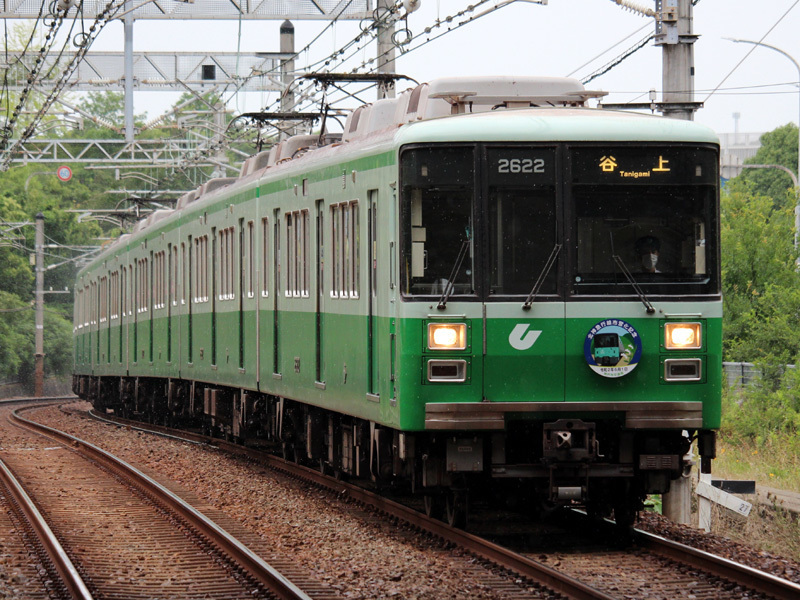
(636, 165)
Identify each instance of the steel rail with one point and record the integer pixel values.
(70, 576)
(255, 565)
(781, 589)
(533, 570)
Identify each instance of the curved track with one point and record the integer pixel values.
(654, 563)
(127, 535)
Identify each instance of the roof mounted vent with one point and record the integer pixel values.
(479, 94)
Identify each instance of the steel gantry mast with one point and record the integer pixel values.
(131, 71)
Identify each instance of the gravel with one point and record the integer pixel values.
(721, 546)
(355, 553)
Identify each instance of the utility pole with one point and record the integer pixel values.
(385, 47)
(674, 33)
(38, 386)
(128, 30)
(287, 73)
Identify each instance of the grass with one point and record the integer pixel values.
(771, 462)
(768, 528)
(759, 441)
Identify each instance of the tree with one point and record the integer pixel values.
(761, 285)
(778, 147)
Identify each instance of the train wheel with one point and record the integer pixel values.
(434, 506)
(457, 509)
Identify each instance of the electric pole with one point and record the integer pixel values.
(674, 33)
(38, 385)
(287, 73)
(385, 47)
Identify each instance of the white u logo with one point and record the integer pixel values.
(520, 340)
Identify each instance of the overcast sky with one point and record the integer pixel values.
(555, 40)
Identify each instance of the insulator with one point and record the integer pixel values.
(637, 8)
(411, 5)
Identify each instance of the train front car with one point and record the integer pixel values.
(560, 323)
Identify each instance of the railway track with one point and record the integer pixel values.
(654, 565)
(124, 535)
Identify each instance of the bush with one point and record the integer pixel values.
(767, 412)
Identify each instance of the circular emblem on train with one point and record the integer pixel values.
(612, 348)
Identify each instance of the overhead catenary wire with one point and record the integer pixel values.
(101, 20)
(763, 37)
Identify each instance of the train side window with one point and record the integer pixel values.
(114, 293)
(291, 256)
(265, 257)
(201, 268)
(303, 250)
(335, 256)
(184, 277)
(231, 262)
(354, 257)
(77, 318)
(251, 260)
(103, 299)
(174, 276)
(297, 254)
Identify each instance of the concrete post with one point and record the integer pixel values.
(39, 336)
(385, 48)
(678, 86)
(678, 62)
(128, 27)
(287, 73)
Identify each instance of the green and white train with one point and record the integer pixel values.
(481, 287)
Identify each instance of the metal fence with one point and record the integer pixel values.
(740, 374)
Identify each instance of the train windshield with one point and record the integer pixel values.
(438, 208)
(522, 219)
(651, 213)
(499, 222)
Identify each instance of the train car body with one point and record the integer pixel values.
(453, 293)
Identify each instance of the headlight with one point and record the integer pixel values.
(447, 336)
(683, 336)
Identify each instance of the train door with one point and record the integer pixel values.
(123, 275)
(213, 295)
(149, 286)
(170, 298)
(276, 291)
(320, 291)
(190, 279)
(372, 296)
(242, 272)
(137, 306)
(130, 285)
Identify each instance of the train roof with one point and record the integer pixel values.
(502, 108)
(557, 125)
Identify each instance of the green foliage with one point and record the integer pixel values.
(761, 285)
(16, 333)
(778, 147)
(764, 415)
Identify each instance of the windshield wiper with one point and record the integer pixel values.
(448, 288)
(648, 307)
(551, 260)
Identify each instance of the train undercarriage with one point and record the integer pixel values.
(532, 464)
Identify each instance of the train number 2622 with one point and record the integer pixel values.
(520, 165)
